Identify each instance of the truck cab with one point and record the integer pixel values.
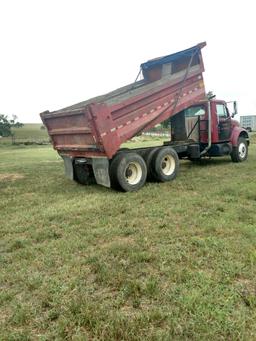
(210, 125)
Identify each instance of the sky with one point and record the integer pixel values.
(57, 53)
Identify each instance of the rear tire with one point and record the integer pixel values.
(148, 156)
(240, 152)
(83, 174)
(165, 164)
(128, 172)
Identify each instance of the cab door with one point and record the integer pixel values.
(224, 122)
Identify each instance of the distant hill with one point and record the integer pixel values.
(31, 131)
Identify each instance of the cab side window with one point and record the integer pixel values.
(221, 111)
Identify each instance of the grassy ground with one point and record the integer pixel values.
(172, 261)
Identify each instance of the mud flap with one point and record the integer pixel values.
(100, 167)
(68, 164)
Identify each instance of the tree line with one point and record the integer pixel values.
(7, 124)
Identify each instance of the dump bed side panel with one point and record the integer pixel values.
(143, 112)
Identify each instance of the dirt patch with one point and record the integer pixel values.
(11, 176)
(246, 284)
(247, 291)
(242, 281)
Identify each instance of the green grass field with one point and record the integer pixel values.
(173, 261)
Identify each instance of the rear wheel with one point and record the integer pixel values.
(165, 164)
(240, 152)
(83, 174)
(128, 172)
(148, 156)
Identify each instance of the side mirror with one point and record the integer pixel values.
(235, 109)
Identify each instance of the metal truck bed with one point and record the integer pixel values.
(97, 127)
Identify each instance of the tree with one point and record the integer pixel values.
(7, 124)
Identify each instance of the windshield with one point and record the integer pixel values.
(194, 111)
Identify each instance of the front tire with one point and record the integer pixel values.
(128, 172)
(240, 152)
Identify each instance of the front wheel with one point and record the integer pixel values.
(240, 152)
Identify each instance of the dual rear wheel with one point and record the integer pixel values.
(129, 170)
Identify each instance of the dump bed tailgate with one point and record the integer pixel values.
(71, 131)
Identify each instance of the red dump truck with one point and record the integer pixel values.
(88, 135)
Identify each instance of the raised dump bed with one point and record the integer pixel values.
(98, 126)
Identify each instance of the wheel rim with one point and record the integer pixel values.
(168, 164)
(133, 173)
(242, 150)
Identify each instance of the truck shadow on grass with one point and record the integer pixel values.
(210, 162)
